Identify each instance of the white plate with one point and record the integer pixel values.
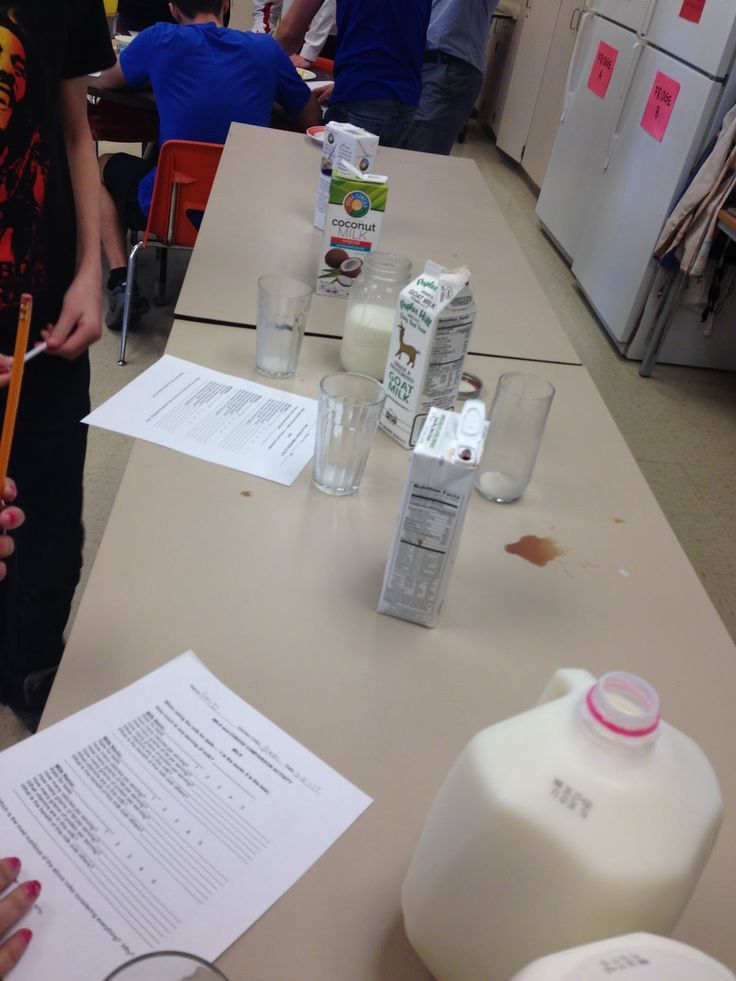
(316, 133)
(305, 74)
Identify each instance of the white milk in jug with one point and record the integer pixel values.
(637, 957)
(586, 817)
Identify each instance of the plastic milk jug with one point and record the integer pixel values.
(584, 818)
(637, 957)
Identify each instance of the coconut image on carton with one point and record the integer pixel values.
(355, 210)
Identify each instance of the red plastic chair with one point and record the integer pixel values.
(324, 65)
(184, 177)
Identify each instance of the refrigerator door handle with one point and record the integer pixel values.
(648, 17)
(576, 60)
(637, 49)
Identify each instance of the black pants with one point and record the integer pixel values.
(47, 464)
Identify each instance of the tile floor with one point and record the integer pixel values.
(680, 424)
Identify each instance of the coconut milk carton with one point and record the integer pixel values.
(431, 334)
(427, 536)
(355, 209)
(343, 143)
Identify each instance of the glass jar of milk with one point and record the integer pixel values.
(369, 318)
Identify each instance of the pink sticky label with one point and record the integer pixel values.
(659, 105)
(692, 10)
(602, 70)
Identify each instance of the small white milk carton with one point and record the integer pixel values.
(343, 143)
(434, 318)
(355, 211)
(441, 476)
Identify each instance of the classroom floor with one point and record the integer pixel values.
(680, 424)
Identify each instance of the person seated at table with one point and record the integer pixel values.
(204, 76)
(13, 906)
(318, 40)
(378, 65)
(137, 15)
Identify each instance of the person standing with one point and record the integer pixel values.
(378, 65)
(454, 62)
(49, 247)
(267, 13)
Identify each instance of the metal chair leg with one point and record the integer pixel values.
(159, 297)
(659, 329)
(128, 299)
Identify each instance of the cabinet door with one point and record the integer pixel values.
(535, 27)
(498, 53)
(546, 116)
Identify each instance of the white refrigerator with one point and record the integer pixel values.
(649, 82)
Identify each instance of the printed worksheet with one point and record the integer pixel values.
(217, 417)
(169, 816)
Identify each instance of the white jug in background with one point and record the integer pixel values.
(584, 818)
(637, 957)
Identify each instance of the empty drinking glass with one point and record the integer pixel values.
(349, 407)
(283, 305)
(518, 415)
(167, 965)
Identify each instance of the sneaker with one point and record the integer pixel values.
(116, 305)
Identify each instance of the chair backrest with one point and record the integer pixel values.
(184, 176)
(324, 64)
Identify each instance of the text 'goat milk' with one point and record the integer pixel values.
(425, 363)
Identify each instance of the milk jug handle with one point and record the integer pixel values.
(564, 681)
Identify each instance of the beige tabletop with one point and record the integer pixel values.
(276, 589)
(259, 220)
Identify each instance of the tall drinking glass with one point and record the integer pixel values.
(518, 416)
(349, 408)
(283, 305)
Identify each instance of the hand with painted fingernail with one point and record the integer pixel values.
(14, 904)
(6, 363)
(10, 519)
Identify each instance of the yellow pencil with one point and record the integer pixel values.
(16, 377)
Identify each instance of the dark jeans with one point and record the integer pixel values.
(388, 119)
(449, 92)
(47, 464)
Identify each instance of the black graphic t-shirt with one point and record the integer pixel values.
(42, 42)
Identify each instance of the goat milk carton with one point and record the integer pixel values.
(441, 476)
(352, 227)
(343, 143)
(431, 334)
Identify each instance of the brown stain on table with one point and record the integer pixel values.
(245, 494)
(538, 551)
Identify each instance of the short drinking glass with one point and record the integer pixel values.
(349, 407)
(518, 415)
(283, 305)
(167, 965)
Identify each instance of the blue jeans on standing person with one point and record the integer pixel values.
(388, 119)
(449, 92)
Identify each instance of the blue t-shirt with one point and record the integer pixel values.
(204, 77)
(381, 49)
